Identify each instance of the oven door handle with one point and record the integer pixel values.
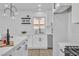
(62, 51)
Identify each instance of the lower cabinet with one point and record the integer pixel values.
(19, 50)
(9, 53)
(38, 42)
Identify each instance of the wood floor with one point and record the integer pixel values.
(40, 52)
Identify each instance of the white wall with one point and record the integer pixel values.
(15, 25)
(60, 31)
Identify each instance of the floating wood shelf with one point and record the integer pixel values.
(25, 18)
(25, 23)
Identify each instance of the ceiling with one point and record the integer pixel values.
(29, 6)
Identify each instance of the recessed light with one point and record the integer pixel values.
(57, 5)
(39, 5)
(6, 5)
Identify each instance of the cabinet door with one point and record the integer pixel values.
(30, 42)
(9, 53)
(43, 42)
(21, 50)
(39, 42)
(75, 13)
(36, 42)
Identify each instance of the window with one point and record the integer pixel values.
(39, 23)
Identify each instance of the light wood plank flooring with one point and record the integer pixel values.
(40, 52)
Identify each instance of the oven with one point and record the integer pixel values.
(71, 51)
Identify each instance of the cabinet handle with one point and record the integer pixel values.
(25, 47)
(26, 40)
(40, 39)
(62, 51)
(18, 48)
(24, 43)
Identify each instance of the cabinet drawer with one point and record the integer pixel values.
(9, 53)
(23, 43)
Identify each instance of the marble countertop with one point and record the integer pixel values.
(69, 44)
(16, 40)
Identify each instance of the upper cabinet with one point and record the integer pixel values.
(75, 13)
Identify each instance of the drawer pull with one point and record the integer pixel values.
(26, 40)
(18, 48)
(62, 51)
(25, 47)
(23, 43)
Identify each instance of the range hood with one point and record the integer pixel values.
(61, 8)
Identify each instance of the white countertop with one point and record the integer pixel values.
(69, 44)
(62, 45)
(17, 40)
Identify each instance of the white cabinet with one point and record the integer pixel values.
(75, 13)
(30, 43)
(9, 53)
(39, 42)
(19, 50)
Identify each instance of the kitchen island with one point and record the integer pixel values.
(19, 48)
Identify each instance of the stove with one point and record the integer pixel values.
(71, 50)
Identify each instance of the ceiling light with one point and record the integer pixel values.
(39, 5)
(56, 5)
(11, 9)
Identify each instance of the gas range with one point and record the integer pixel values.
(71, 50)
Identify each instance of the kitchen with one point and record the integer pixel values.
(30, 29)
